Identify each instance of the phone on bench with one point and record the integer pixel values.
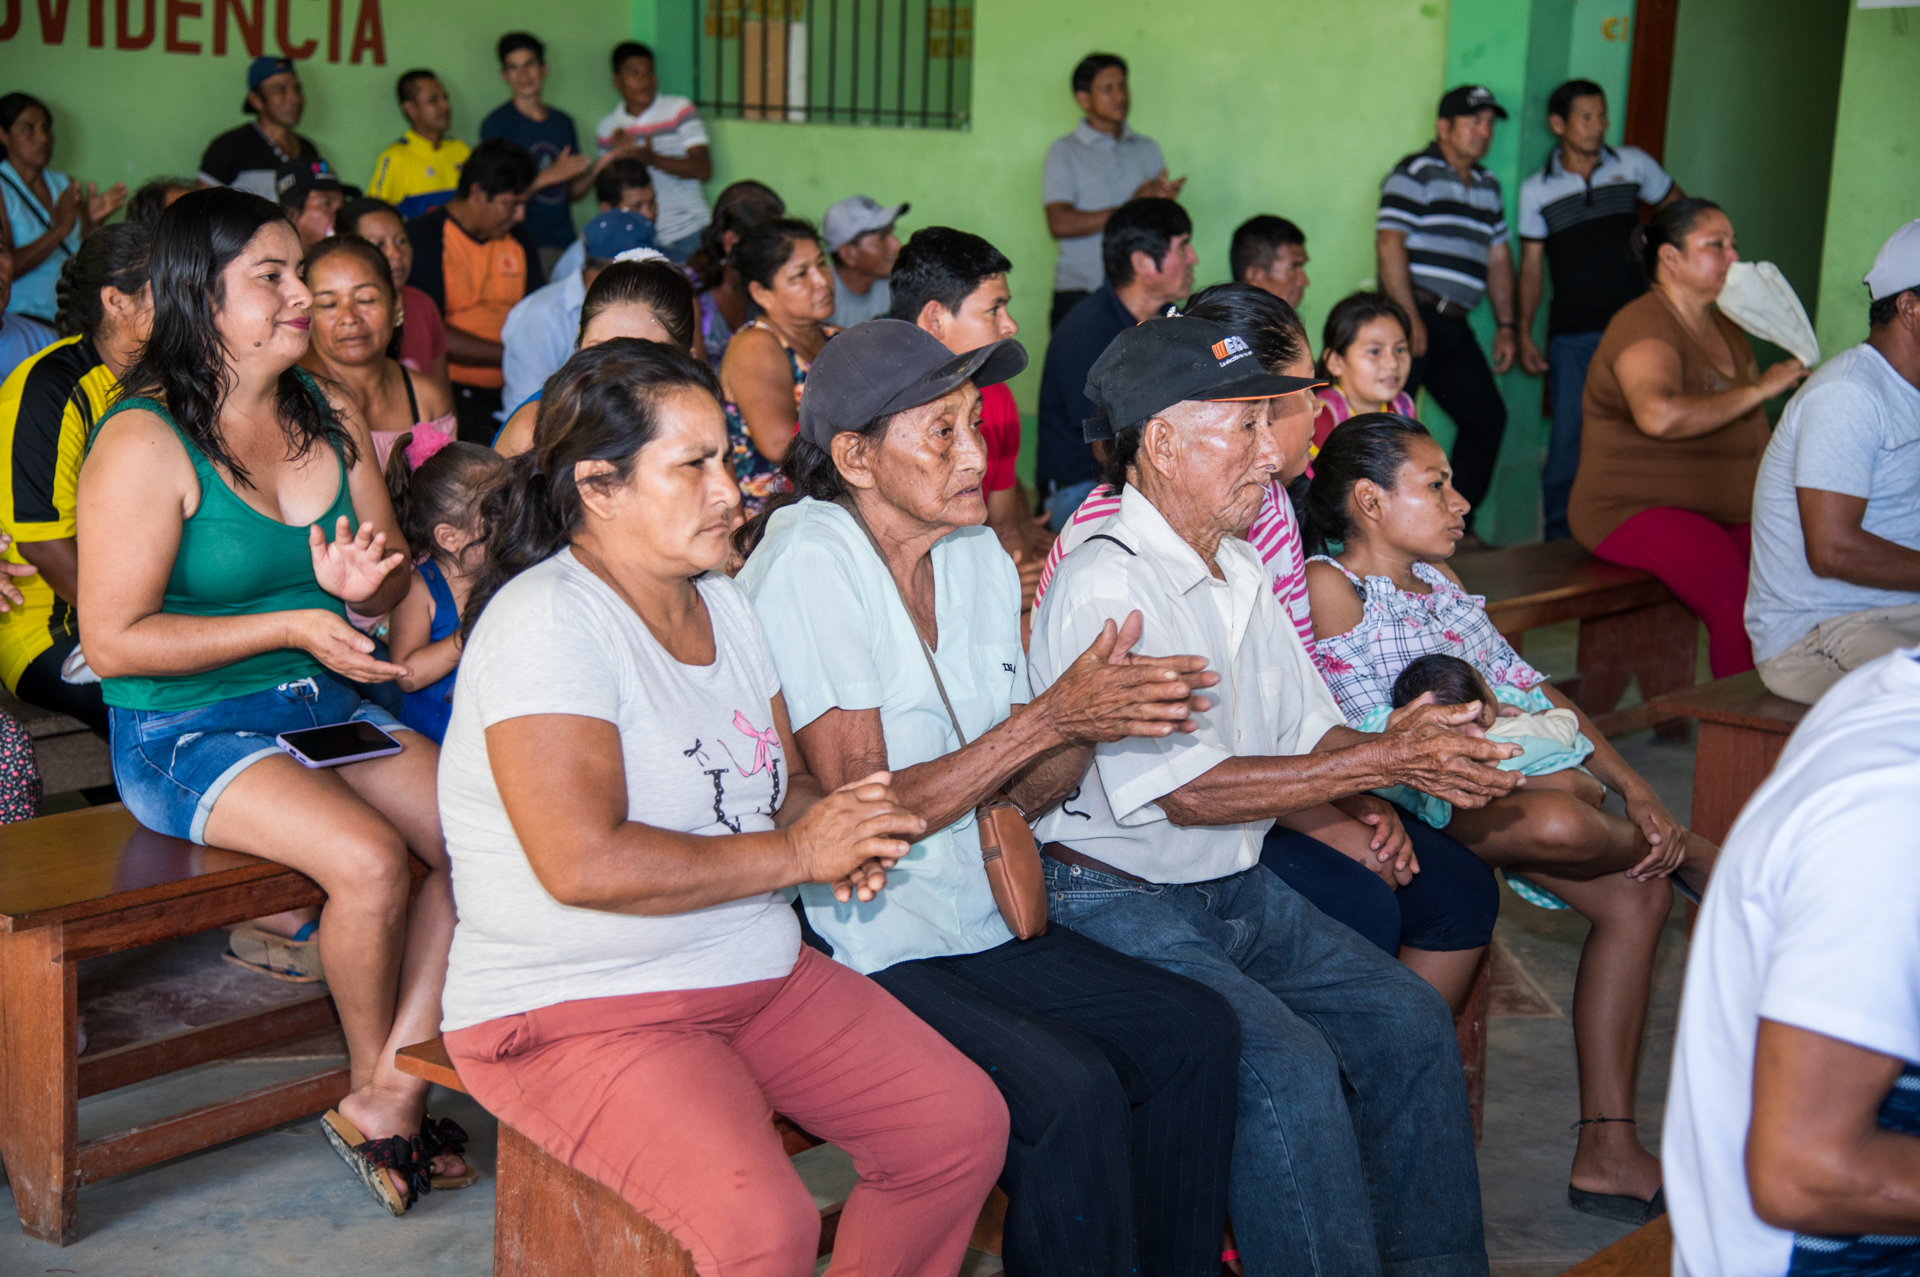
(337, 743)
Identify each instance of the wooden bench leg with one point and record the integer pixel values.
(39, 1132)
(1728, 765)
(550, 1219)
(1658, 645)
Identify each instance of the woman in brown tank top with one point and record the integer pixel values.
(1673, 430)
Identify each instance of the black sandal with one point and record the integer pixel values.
(1616, 1206)
(443, 1137)
(372, 1159)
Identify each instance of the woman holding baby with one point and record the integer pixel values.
(1382, 488)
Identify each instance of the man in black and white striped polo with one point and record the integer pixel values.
(1441, 237)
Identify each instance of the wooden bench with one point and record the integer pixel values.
(1743, 728)
(550, 1220)
(1647, 1251)
(86, 883)
(1630, 624)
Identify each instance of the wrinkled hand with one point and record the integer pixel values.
(1392, 849)
(1423, 751)
(351, 567)
(1781, 377)
(340, 647)
(853, 836)
(1530, 357)
(1667, 836)
(1108, 693)
(103, 205)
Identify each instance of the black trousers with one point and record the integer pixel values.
(474, 407)
(1121, 1080)
(41, 686)
(1062, 303)
(1455, 372)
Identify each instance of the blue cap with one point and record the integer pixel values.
(262, 69)
(614, 232)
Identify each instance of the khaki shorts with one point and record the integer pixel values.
(1832, 649)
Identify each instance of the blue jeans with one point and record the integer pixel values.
(1567, 360)
(1353, 1152)
(1062, 502)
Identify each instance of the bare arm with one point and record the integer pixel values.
(475, 352)
(1650, 377)
(1533, 284)
(1838, 544)
(1500, 297)
(67, 208)
(1025, 539)
(1064, 221)
(756, 378)
(59, 564)
(1396, 281)
(696, 164)
(1818, 1160)
(135, 487)
(562, 779)
(410, 640)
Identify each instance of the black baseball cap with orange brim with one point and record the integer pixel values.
(1152, 366)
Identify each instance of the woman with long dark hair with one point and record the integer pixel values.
(625, 808)
(49, 213)
(228, 514)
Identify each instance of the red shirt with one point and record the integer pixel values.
(1000, 428)
(423, 338)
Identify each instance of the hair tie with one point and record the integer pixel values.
(428, 438)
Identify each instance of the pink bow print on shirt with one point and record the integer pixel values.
(764, 743)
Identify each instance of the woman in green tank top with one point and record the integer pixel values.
(227, 519)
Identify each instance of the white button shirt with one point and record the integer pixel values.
(1270, 699)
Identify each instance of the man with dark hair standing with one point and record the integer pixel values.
(666, 133)
(246, 157)
(548, 134)
(1577, 214)
(1441, 238)
(1147, 255)
(1091, 172)
(954, 285)
(1270, 253)
(422, 170)
(473, 257)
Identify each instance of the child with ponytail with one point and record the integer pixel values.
(437, 484)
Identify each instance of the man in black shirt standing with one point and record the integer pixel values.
(1577, 214)
(248, 156)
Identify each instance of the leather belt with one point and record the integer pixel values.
(1068, 856)
(1441, 305)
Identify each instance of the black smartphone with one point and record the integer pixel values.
(337, 743)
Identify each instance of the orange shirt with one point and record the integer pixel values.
(483, 282)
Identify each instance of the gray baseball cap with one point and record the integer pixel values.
(854, 216)
(886, 366)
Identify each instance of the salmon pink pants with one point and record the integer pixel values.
(668, 1098)
(1704, 563)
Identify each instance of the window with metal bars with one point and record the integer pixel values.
(900, 63)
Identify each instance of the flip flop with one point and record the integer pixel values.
(372, 1159)
(1618, 1206)
(295, 959)
(443, 1135)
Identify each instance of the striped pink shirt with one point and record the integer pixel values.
(1275, 534)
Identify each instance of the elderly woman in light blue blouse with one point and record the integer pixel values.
(874, 573)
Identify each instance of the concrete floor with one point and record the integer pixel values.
(281, 1202)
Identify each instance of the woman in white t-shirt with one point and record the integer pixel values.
(624, 809)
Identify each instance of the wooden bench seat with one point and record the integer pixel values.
(92, 882)
(550, 1220)
(1743, 728)
(1647, 1251)
(1631, 626)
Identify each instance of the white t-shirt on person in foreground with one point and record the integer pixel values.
(701, 755)
(1813, 921)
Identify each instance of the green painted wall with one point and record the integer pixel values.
(1750, 123)
(123, 115)
(1876, 164)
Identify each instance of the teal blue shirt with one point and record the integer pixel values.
(841, 639)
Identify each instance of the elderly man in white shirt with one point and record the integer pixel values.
(1353, 1152)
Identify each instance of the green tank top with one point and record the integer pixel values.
(233, 561)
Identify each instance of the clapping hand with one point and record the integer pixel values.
(565, 167)
(1109, 693)
(101, 206)
(10, 596)
(853, 836)
(351, 567)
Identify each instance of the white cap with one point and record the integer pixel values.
(1896, 267)
(854, 216)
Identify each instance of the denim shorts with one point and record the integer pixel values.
(172, 765)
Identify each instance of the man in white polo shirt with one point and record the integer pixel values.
(1353, 1152)
(1835, 580)
(1790, 1140)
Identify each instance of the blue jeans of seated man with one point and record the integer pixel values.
(1353, 1151)
(1567, 359)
